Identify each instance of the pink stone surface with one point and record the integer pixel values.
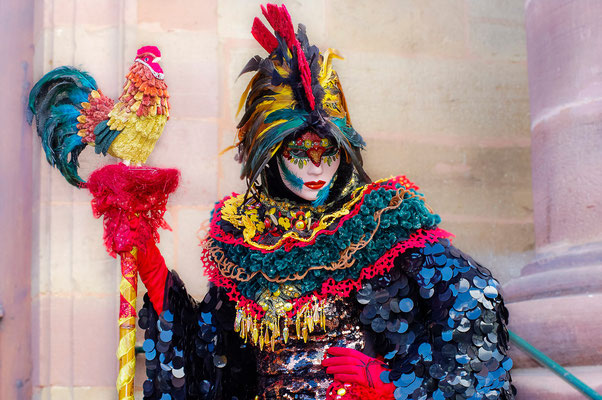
(565, 89)
(555, 304)
(563, 68)
(566, 328)
(16, 201)
(538, 383)
(567, 184)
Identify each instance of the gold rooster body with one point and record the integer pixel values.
(71, 112)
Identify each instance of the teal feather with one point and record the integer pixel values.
(322, 195)
(351, 134)
(55, 101)
(287, 114)
(291, 178)
(265, 145)
(104, 137)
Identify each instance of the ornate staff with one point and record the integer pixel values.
(72, 112)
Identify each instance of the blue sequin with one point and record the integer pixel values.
(403, 326)
(168, 316)
(406, 305)
(150, 355)
(474, 314)
(148, 345)
(462, 359)
(206, 317)
(446, 273)
(405, 379)
(507, 364)
(425, 350)
(166, 336)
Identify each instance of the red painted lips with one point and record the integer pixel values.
(315, 185)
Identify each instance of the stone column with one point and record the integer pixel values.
(16, 200)
(556, 304)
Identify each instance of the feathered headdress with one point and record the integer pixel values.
(294, 89)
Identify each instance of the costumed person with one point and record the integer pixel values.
(324, 285)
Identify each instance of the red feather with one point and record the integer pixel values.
(280, 20)
(263, 36)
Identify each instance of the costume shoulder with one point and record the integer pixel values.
(308, 253)
(268, 224)
(439, 320)
(191, 350)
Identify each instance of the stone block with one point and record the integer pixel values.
(235, 18)
(462, 179)
(179, 14)
(541, 383)
(511, 11)
(94, 271)
(190, 146)
(74, 393)
(85, 12)
(40, 351)
(563, 69)
(497, 41)
(229, 176)
(58, 340)
(97, 52)
(237, 56)
(94, 392)
(41, 261)
(561, 327)
(95, 339)
(428, 96)
(191, 67)
(407, 27)
(490, 236)
(61, 248)
(193, 224)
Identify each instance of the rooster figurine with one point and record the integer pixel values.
(71, 112)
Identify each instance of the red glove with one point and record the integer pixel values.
(352, 366)
(153, 273)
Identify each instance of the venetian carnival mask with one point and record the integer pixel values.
(308, 165)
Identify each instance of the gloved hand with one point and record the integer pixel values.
(352, 366)
(153, 273)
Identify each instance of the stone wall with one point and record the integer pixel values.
(437, 88)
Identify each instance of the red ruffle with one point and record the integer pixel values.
(132, 201)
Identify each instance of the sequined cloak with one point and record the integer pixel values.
(432, 313)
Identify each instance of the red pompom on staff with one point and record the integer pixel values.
(132, 202)
(71, 112)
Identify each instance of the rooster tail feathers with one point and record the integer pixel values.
(55, 101)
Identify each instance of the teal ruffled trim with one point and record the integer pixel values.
(395, 226)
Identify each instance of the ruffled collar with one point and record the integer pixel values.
(270, 223)
(279, 275)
